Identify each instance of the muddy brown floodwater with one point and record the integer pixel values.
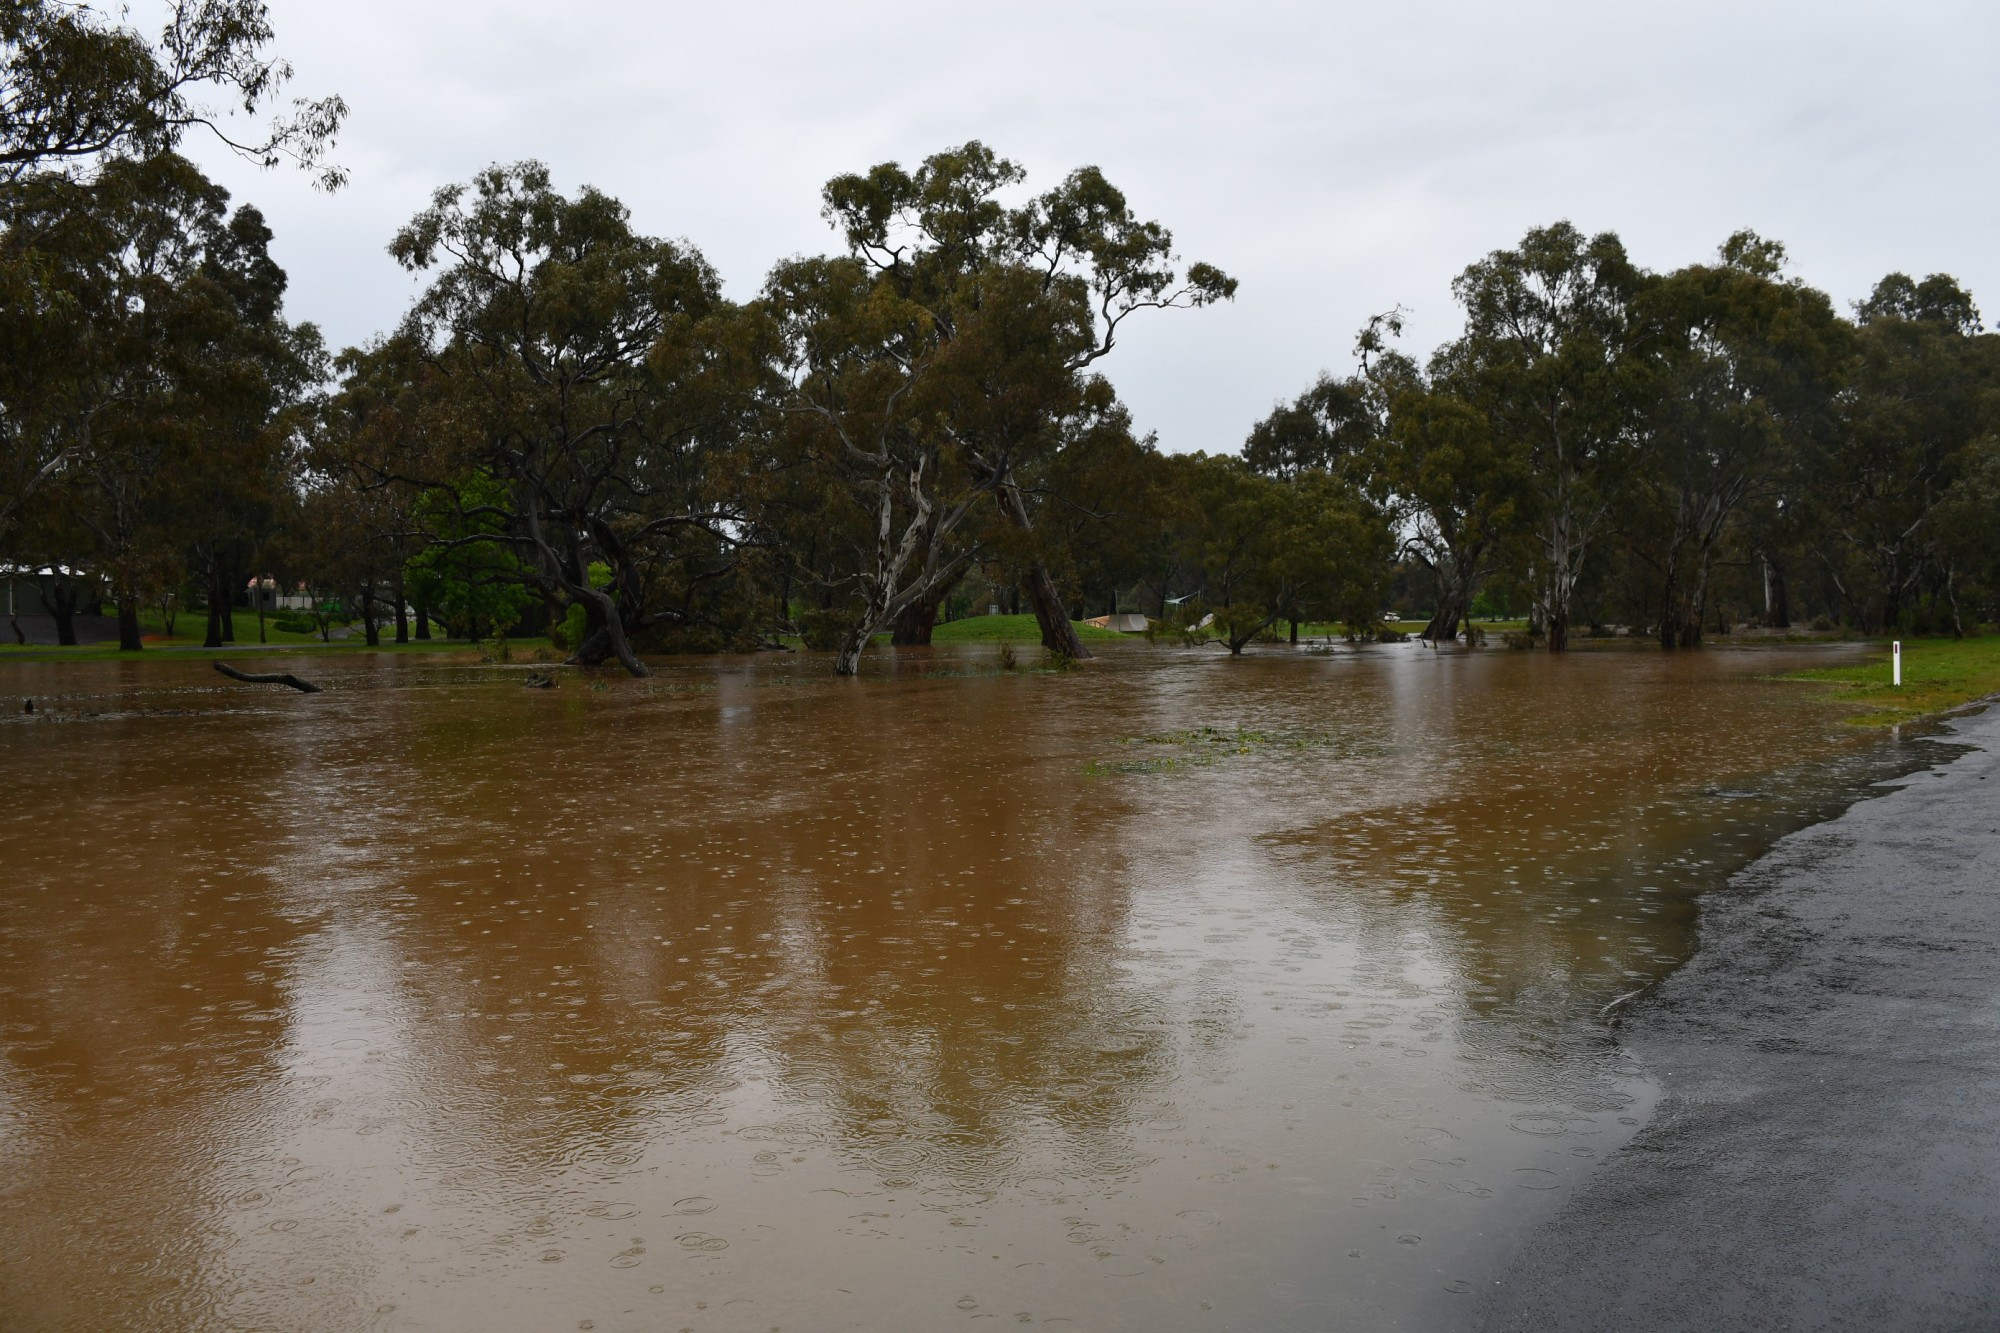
(1174, 993)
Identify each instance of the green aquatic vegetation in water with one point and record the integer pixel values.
(1240, 737)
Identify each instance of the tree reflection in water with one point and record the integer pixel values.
(745, 997)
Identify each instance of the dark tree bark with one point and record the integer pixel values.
(212, 634)
(402, 609)
(63, 596)
(423, 620)
(1058, 633)
(264, 678)
(1236, 643)
(128, 624)
(912, 628)
(1454, 604)
(1681, 609)
(1777, 595)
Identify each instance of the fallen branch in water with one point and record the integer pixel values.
(253, 678)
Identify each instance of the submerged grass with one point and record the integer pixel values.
(1198, 747)
(1938, 676)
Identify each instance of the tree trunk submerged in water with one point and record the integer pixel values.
(913, 626)
(1777, 596)
(847, 661)
(1059, 636)
(128, 623)
(63, 596)
(1453, 592)
(605, 635)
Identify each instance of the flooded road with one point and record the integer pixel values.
(1178, 992)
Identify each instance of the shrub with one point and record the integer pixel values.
(823, 630)
(567, 633)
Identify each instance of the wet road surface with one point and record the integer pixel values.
(1826, 1153)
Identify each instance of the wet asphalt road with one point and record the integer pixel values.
(1827, 1153)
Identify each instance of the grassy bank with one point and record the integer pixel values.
(1938, 676)
(1012, 629)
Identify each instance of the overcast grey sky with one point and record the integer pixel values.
(1337, 158)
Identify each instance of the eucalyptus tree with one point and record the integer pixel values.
(1008, 308)
(1329, 427)
(1545, 357)
(898, 495)
(1415, 442)
(1458, 486)
(599, 374)
(182, 368)
(1925, 385)
(1270, 550)
(392, 424)
(1963, 536)
(1736, 372)
(260, 389)
(1101, 521)
(79, 87)
(82, 92)
(128, 248)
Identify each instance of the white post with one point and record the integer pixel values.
(1896, 662)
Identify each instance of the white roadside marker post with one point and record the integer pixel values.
(1896, 663)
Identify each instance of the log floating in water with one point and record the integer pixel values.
(274, 678)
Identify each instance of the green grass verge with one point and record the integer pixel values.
(1938, 676)
(1012, 629)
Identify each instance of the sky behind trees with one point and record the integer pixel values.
(1338, 159)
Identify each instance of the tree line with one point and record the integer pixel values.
(572, 430)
